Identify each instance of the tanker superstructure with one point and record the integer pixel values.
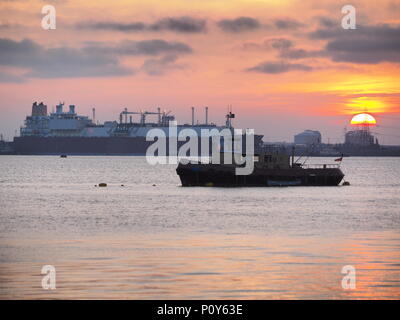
(66, 132)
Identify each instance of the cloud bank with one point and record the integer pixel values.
(275, 67)
(178, 24)
(94, 59)
(364, 45)
(240, 24)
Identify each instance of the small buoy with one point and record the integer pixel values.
(102, 184)
(122, 185)
(95, 185)
(345, 183)
(154, 185)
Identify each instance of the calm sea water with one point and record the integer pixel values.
(140, 241)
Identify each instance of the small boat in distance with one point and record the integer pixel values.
(63, 156)
(270, 169)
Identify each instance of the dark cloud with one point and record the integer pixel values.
(57, 62)
(296, 54)
(327, 22)
(144, 47)
(8, 77)
(75, 69)
(17, 53)
(4, 26)
(181, 24)
(285, 48)
(239, 24)
(113, 26)
(275, 67)
(279, 43)
(156, 67)
(93, 60)
(267, 44)
(287, 24)
(389, 32)
(178, 24)
(366, 44)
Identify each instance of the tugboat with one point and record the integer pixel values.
(270, 169)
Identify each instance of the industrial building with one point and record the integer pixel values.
(360, 138)
(308, 137)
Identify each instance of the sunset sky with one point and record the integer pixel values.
(284, 66)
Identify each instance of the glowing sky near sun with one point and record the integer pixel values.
(285, 66)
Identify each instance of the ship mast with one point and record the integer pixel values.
(229, 117)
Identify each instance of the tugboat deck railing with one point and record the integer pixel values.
(320, 166)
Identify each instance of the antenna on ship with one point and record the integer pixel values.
(192, 116)
(94, 115)
(229, 117)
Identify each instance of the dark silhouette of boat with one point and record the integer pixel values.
(269, 170)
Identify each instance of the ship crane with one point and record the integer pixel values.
(142, 115)
(125, 113)
(143, 118)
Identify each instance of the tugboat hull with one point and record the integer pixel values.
(224, 176)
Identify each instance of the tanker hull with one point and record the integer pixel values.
(37, 145)
(31, 145)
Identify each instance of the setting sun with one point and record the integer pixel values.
(363, 119)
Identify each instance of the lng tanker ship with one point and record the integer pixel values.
(66, 132)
